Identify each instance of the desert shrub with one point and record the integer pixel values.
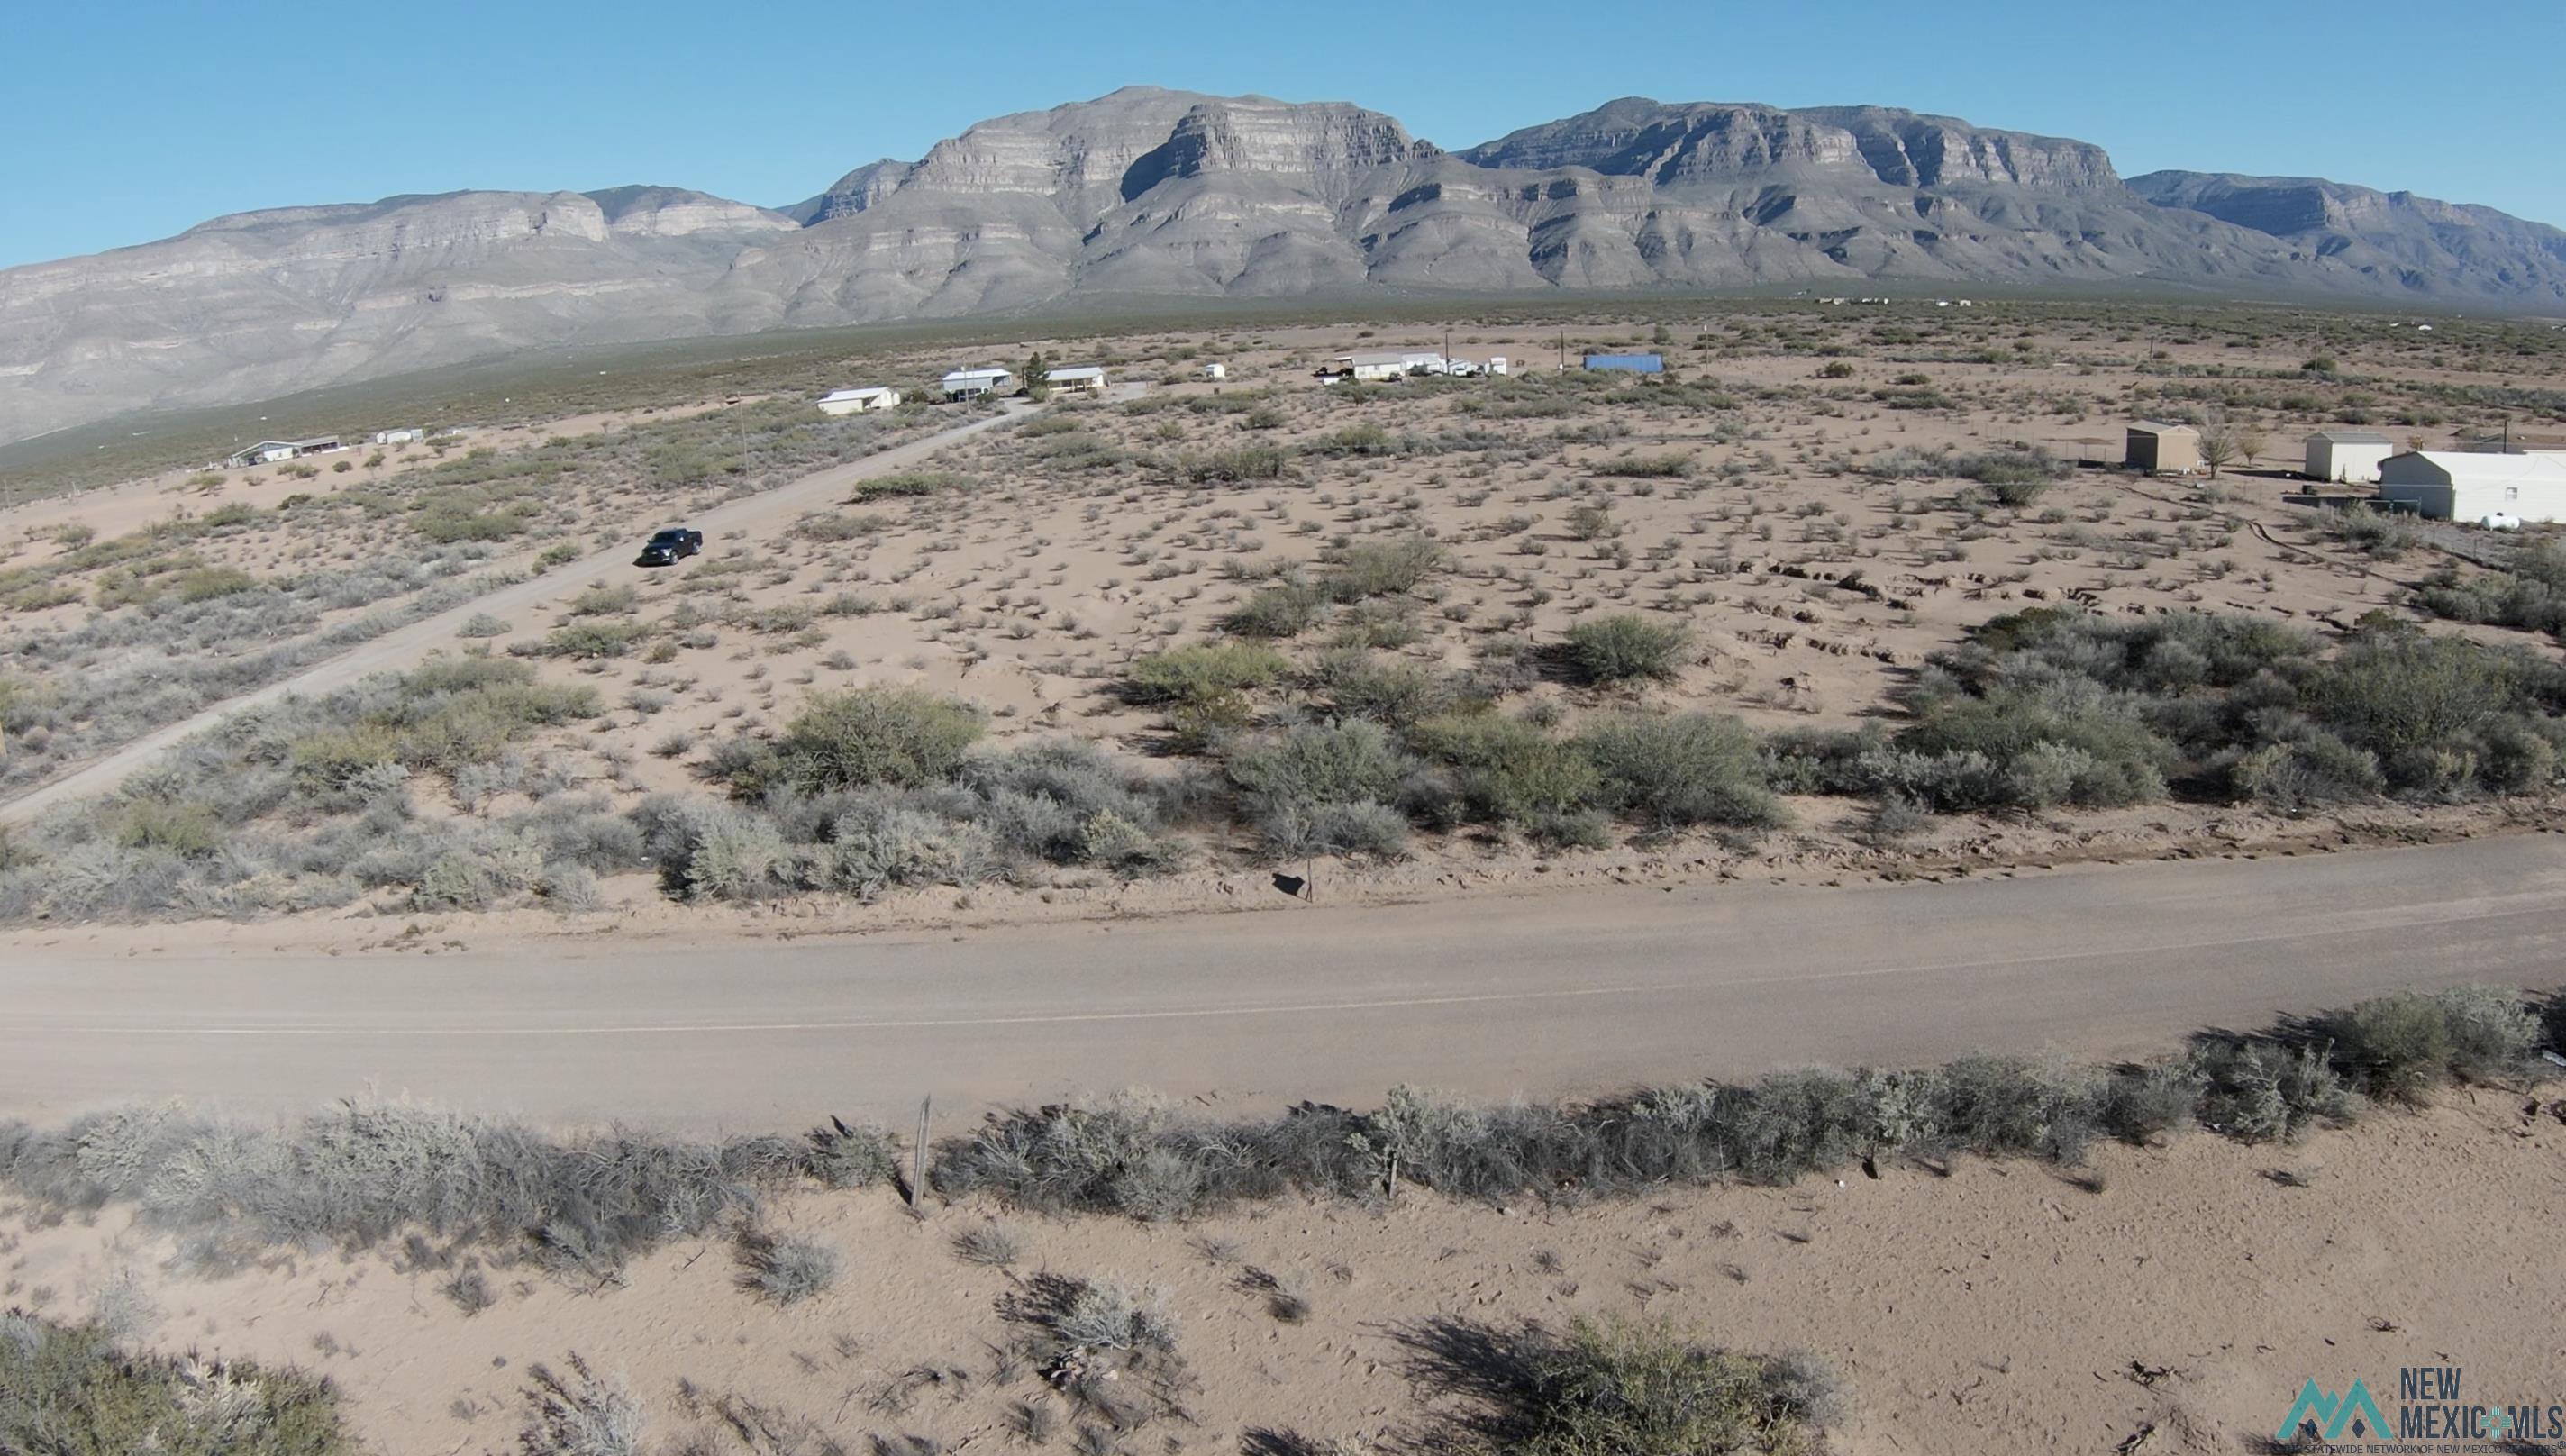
(786, 1269)
(1251, 463)
(2233, 706)
(1386, 690)
(1380, 568)
(482, 625)
(1633, 1389)
(580, 1413)
(2013, 476)
(1201, 672)
(1681, 769)
(905, 483)
(68, 1390)
(705, 849)
(1591, 522)
(2262, 1091)
(1509, 771)
(1286, 609)
(2401, 693)
(204, 584)
(2529, 593)
(858, 1156)
(605, 599)
(2375, 534)
(996, 1243)
(1623, 649)
(365, 1171)
(1353, 439)
(838, 526)
(2401, 1048)
(589, 641)
(1298, 830)
(1648, 467)
(863, 736)
(2030, 745)
(186, 829)
(1351, 762)
(1107, 1314)
(875, 843)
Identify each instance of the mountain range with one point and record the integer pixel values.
(1151, 194)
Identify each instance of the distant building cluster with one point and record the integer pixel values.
(2496, 486)
(1381, 364)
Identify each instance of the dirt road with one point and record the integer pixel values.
(758, 515)
(1538, 994)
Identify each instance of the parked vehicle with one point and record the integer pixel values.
(670, 546)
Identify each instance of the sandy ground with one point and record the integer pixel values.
(2174, 1297)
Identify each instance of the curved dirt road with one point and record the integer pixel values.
(1540, 994)
(405, 646)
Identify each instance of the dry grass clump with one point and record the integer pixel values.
(786, 1268)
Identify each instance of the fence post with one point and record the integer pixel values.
(918, 1180)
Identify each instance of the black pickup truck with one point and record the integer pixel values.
(670, 546)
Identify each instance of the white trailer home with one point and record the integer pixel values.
(2347, 456)
(2455, 485)
(1389, 364)
(972, 384)
(860, 400)
(1077, 379)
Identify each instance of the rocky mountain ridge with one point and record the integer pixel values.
(1152, 192)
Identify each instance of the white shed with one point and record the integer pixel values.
(1078, 380)
(859, 400)
(2347, 456)
(1215, 371)
(972, 384)
(2455, 485)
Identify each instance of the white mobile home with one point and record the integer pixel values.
(2347, 456)
(1215, 371)
(1389, 364)
(859, 400)
(1078, 380)
(399, 436)
(2451, 485)
(973, 384)
(269, 452)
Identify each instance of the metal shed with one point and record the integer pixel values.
(2162, 449)
(2347, 456)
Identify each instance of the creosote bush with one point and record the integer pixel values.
(70, 1390)
(1624, 648)
(863, 736)
(1618, 1388)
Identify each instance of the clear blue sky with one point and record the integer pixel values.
(131, 122)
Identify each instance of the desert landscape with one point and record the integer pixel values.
(1440, 631)
(1847, 594)
(1185, 773)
